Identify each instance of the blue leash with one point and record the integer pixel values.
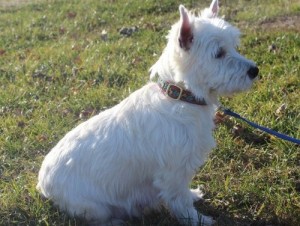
(267, 130)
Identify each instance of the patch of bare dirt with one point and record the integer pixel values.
(282, 23)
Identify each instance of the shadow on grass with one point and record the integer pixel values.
(224, 218)
(241, 131)
(162, 218)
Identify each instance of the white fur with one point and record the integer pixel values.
(143, 152)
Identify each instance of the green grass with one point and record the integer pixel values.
(56, 71)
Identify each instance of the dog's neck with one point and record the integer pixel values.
(164, 69)
(176, 92)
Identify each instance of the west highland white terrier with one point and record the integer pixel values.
(143, 153)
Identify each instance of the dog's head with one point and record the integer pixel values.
(201, 54)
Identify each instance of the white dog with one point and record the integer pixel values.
(143, 152)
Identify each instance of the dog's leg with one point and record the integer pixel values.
(179, 199)
(197, 194)
(182, 207)
(112, 222)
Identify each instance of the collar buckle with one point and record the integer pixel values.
(173, 91)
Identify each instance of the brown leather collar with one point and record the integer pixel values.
(175, 92)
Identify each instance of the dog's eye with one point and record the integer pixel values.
(221, 53)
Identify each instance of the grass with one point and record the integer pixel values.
(56, 71)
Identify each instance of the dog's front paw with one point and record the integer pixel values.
(197, 194)
(206, 221)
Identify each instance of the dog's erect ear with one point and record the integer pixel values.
(214, 8)
(186, 34)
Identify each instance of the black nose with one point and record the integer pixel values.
(253, 72)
